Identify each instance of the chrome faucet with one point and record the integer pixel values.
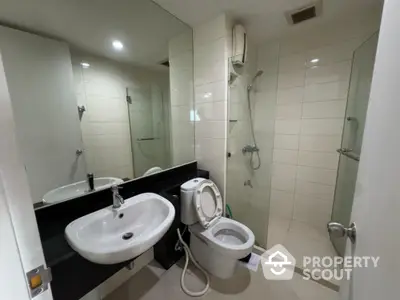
(117, 198)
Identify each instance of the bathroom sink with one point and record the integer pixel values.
(110, 236)
(78, 189)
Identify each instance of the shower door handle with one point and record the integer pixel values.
(349, 153)
(337, 230)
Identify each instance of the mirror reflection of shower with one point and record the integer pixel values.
(252, 148)
(258, 74)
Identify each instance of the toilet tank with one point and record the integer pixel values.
(188, 214)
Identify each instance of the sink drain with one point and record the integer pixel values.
(127, 236)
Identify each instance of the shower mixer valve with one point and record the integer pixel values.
(248, 183)
(250, 149)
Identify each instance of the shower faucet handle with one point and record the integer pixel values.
(248, 183)
(250, 149)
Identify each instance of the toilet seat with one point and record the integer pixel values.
(208, 203)
(226, 236)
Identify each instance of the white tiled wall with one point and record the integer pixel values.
(182, 104)
(309, 115)
(101, 88)
(238, 171)
(212, 42)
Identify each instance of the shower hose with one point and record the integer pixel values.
(187, 256)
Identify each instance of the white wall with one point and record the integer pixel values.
(212, 47)
(310, 108)
(376, 200)
(10, 261)
(101, 88)
(39, 76)
(16, 204)
(182, 104)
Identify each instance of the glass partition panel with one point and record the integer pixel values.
(148, 119)
(250, 143)
(357, 104)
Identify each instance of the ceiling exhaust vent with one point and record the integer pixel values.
(304, 13)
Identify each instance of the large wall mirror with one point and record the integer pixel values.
(100, 94)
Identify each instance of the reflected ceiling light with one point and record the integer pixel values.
(207, 95)
(194, 116)
(85, 64)
(314, 61)
(117, 45)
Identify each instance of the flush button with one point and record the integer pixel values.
(35, 281)
(38, 280)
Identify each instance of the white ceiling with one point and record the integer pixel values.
(91, 25)
(145, 28)
(263, 19)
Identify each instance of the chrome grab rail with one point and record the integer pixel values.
(349, 153)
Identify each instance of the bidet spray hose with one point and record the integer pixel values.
(187, 256)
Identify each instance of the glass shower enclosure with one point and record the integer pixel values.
(148, 109)
(353, 130)
(250, 146)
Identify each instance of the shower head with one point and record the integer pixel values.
(258, 74)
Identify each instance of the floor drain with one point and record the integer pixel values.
(127, 236)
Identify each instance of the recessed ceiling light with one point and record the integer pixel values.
(314, 61)
(117, 45)
(85, 64)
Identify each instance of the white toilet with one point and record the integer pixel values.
(216, 242)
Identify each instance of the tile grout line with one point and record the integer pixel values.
(322, 282)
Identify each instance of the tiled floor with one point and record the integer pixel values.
(300, 239)
(153, 283)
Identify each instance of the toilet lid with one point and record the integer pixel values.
(208, 203)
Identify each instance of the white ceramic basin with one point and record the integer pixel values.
(78, 189)
(102, 237)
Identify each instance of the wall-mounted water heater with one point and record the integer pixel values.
(239, 45)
